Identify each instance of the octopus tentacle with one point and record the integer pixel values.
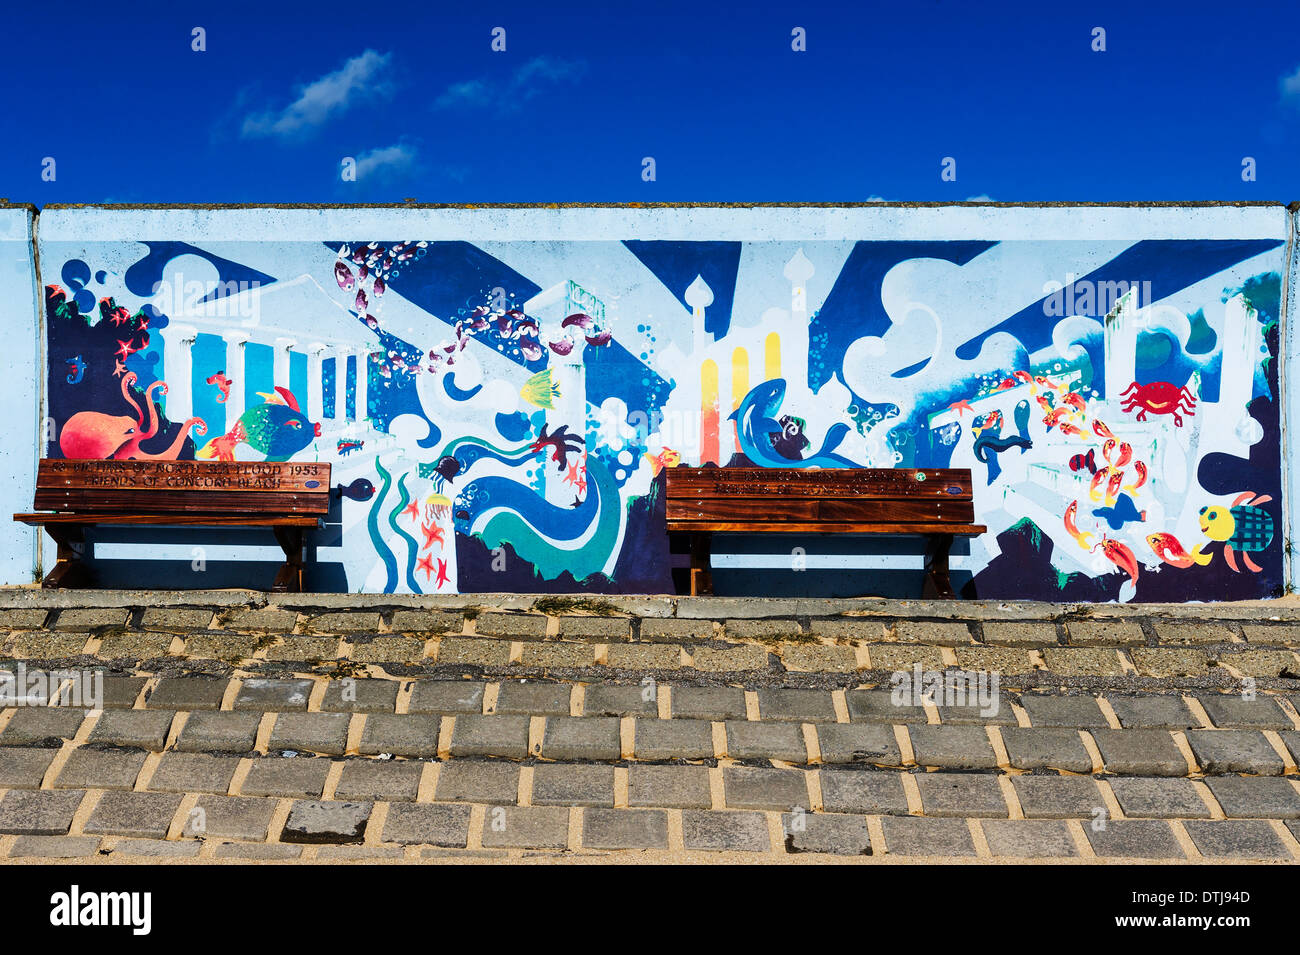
(170, 454)
(128, 380)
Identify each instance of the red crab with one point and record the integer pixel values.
(1159, 397)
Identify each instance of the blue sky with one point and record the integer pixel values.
(585, 91)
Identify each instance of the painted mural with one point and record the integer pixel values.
(498, 414)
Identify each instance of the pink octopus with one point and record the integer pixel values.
(95, 435)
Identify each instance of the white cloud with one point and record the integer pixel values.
(509, 93)
(383, 162)
(1291, 87)
(333, 93)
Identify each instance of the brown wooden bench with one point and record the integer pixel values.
(936, 503)
(288, 497)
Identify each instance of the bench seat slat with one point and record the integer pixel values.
(195, 519)
(261, 502)
(828, 527)
(858, 510)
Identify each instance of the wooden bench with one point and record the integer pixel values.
(288, 497)
(935, 503)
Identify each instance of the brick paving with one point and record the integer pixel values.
(244, 726)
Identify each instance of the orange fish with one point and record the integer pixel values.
(1112, 488)
(1168, 548)
(1052, 418)
(1125, 454)
(1072, 527)
(1101, 429)
(1107, 447)
(1119, 555)
(1141, 470)
(1075, 401)
(1070, 430)
(1095, 488)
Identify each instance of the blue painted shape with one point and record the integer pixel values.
(208, 356)
(328, 384)
(145, 273)
(676, 264)
(854, 309)
(350, 389)
(458, 394)
(298, 383)
(259, 373)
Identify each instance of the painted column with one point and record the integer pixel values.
(794, 344)
(281, 362)
(235, 341)
(315, 382)
(363, 382)
(1121, 345)
(178, 368)
(340, 386)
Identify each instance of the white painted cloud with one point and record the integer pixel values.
(324, 98)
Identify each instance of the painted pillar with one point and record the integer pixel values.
(235, 341)
(1121, 345)
(340, 386)
(363, 382)
(178, 371)
(315, 382)
(280, 363)
(798, 271)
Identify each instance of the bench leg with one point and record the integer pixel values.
(701, 575)
(937, 583)
(289, 578)
(68, 570)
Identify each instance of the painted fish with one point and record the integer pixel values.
(1141, 470)
(989, 442)
(1122, 512)
(343, 275)
(358, 490)
(1052, 418)
(278, 428)
(1125, 454)
(667, 458)
(1072, 527)
(540, 390)
(1075, 401)
(1168, 548)
(347, 447)
(1081, 461)
(1119, 555)
(1100, 428)
(1045, 402)
(1070, 430)
(1096, 486)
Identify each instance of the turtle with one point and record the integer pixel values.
(1243, 527)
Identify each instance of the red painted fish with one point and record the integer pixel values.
(1112, 488)
(1168, 548)
(1100, 428)
(1070, 430)
(1075, 401)
(1054, 417)
(1098, 483)
(1072, 527)
(1119, 555)
(1125, 454)
(1081, 461)
(1141, 470)
(1107, 447)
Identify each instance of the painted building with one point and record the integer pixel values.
(498, 389)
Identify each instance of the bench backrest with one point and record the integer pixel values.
(169, 487)
(887, 496)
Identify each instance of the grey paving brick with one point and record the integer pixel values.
(674, 787)
(54, 847)
(818, 658)
(603, 699)
(476, 652)
(23, 619)
(313, 732)
(534, 699)
(961, 794)
(1134, 839)
(1140, 797)
(89, 767)
(827, 834)
(1193, 632)
(326, 821)
(144, 729)
(41, 725)
(868, 792)
(625, 829)
(386, 648)
(1256, 797)
(573, 784)
(349, 621)
(121, 692)
(596, 628)
(1166, 662)
(952, 747)
(188, 693)
(156, 849)
(426, 621)
(878, 706)
(1237, 839)
(91, 618)
(1151, 711)
(673, 628)
(1272, 635)
(255, 850)
(1140, 752)
(274, 776)
(423, 824)
(725, 831)
(446, 696)
(295, 648)
(1104, 633)
(760, 788)
(1291, 740)
(996, 711)
(511, 624)
(708, 702)
(754, 740)
(332, 853)
(581, 737)
(1029, 838)
(138, 815)
(134, 645)
(261, 619)
(673, 739)
(918, 836)
(645, 656)
(1234, 751)
(490, 736)
(23, 767)
(763, 628)
(858, 743)
(273, 696)
(368, 780)
(193, 773)
(38, 812)
(218, 732)
(1078, 711)
(230, 817)
(1046, 748)
(519, 827)
(1057, 797)
(730, 659)
(494, 783)
(176, 618)
(413, 734)
(804, 706)
(360, 696)
(1232, 712)
(953, 634)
